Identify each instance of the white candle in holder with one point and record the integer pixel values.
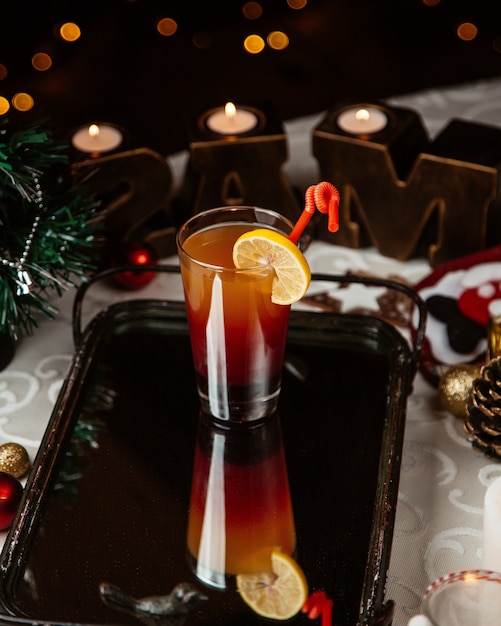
(231, 120)
(491, 550)
(362, 120)
(96, 139)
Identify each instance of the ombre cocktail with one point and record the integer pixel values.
(237, 333)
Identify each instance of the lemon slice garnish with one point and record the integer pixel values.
(279, 594)
(268, 247)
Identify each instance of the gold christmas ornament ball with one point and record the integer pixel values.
(455, 387)
(14, 459)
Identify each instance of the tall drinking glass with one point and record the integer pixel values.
(237, 334)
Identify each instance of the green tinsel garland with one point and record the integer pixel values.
(54, 221)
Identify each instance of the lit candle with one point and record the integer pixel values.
(232, 121)
(362, 120)
(96, 139)
(492, 527)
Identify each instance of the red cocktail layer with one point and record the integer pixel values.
(239, 514)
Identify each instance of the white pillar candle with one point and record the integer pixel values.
(491, 549)
(96, 139)
(231, 120)
(362, 120)
(419, 620)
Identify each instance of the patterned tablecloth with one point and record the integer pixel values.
(443, 481)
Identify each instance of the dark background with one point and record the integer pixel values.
(121, 70)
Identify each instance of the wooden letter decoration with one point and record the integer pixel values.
(133, 187)
(238, 170)
(406, 195)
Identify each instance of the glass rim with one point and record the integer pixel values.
(229, 209)
(457, 576)
(463, 574)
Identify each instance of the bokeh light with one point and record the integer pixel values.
(23, 101)
(467, 31)
(70, 31)
(277, 40)
(41, 61)
(3, 71)
(167, 26)
(252, 10)
(254, 44)
(4, 105)
(297, 4)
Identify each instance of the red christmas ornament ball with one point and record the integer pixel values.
(11, 492)
(137, 254)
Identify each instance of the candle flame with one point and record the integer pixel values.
(93, 130)
(231, 110)
(362, 114)
(470, 578)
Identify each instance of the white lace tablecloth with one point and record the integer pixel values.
(443, 481)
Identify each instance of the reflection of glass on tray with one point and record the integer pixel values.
(240, 508)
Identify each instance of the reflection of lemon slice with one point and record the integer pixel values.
(267, 247)
(279, 594)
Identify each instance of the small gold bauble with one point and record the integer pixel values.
(14, 459)
(455, 387)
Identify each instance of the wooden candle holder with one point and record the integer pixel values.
(406, 195)
(243, 169)
(133, 190)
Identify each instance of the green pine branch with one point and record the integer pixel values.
(62, 248)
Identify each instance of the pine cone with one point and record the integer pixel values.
(484, 410)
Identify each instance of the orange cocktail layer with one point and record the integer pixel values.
(257, 517)
(232, 311)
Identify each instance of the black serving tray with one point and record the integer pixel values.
(107, 497)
